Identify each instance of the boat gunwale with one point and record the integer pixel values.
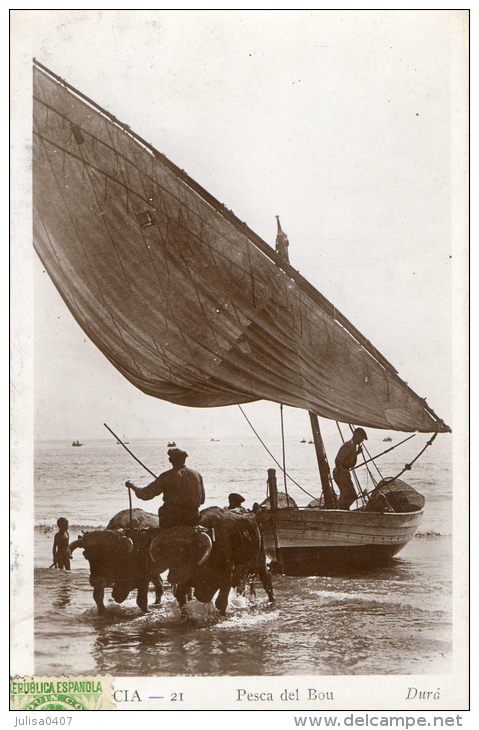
(264, 510)
(308, 513)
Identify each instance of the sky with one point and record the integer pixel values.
(342, 122)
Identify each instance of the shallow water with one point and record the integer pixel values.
(395, 619)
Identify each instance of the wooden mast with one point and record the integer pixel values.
(328, 493)
(282, 244)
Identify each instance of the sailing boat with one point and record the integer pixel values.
(123, 233)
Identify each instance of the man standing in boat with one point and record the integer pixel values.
(182, 489)
(345, 460)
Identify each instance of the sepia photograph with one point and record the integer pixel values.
(240, 414)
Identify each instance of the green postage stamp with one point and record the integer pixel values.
(60, 693)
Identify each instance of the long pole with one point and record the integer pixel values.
(323, 465)
(383, 452)
(136, 459)
(131, 508)
(284, 455)
(329, 501)
(273, 502)
(130, 452)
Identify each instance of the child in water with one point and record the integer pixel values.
(61, 554)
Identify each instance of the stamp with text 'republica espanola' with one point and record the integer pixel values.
(62, 694)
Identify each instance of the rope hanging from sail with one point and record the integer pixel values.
(269, 452)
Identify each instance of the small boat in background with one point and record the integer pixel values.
(171, 444)
(387, 438)
(303, 441)
(76, 443)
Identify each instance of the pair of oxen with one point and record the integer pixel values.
(224, 552)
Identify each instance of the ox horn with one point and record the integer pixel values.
(127, 542)
(203, 545)
(74, 545)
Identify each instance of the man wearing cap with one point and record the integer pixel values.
(345, 460)
(182, 489)
(235, 502)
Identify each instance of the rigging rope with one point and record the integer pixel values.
(386, 451)
(269, 452)
(408, 467)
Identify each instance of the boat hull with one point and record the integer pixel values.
(320, 542)
(331, 560)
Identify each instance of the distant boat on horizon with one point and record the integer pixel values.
(76, 443)
(387, 438)
(171, 444)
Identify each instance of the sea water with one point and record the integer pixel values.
(393, 619)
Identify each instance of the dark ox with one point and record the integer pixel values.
(229, 560)
(119, 558)
(139, 518)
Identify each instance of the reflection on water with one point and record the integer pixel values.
(63, 593)
(384, 622)
(164, 643)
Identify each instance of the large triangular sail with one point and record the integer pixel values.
(187, 302)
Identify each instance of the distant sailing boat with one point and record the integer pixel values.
(123, 233)
(76, 443)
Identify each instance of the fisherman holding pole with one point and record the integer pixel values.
(182, 489)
